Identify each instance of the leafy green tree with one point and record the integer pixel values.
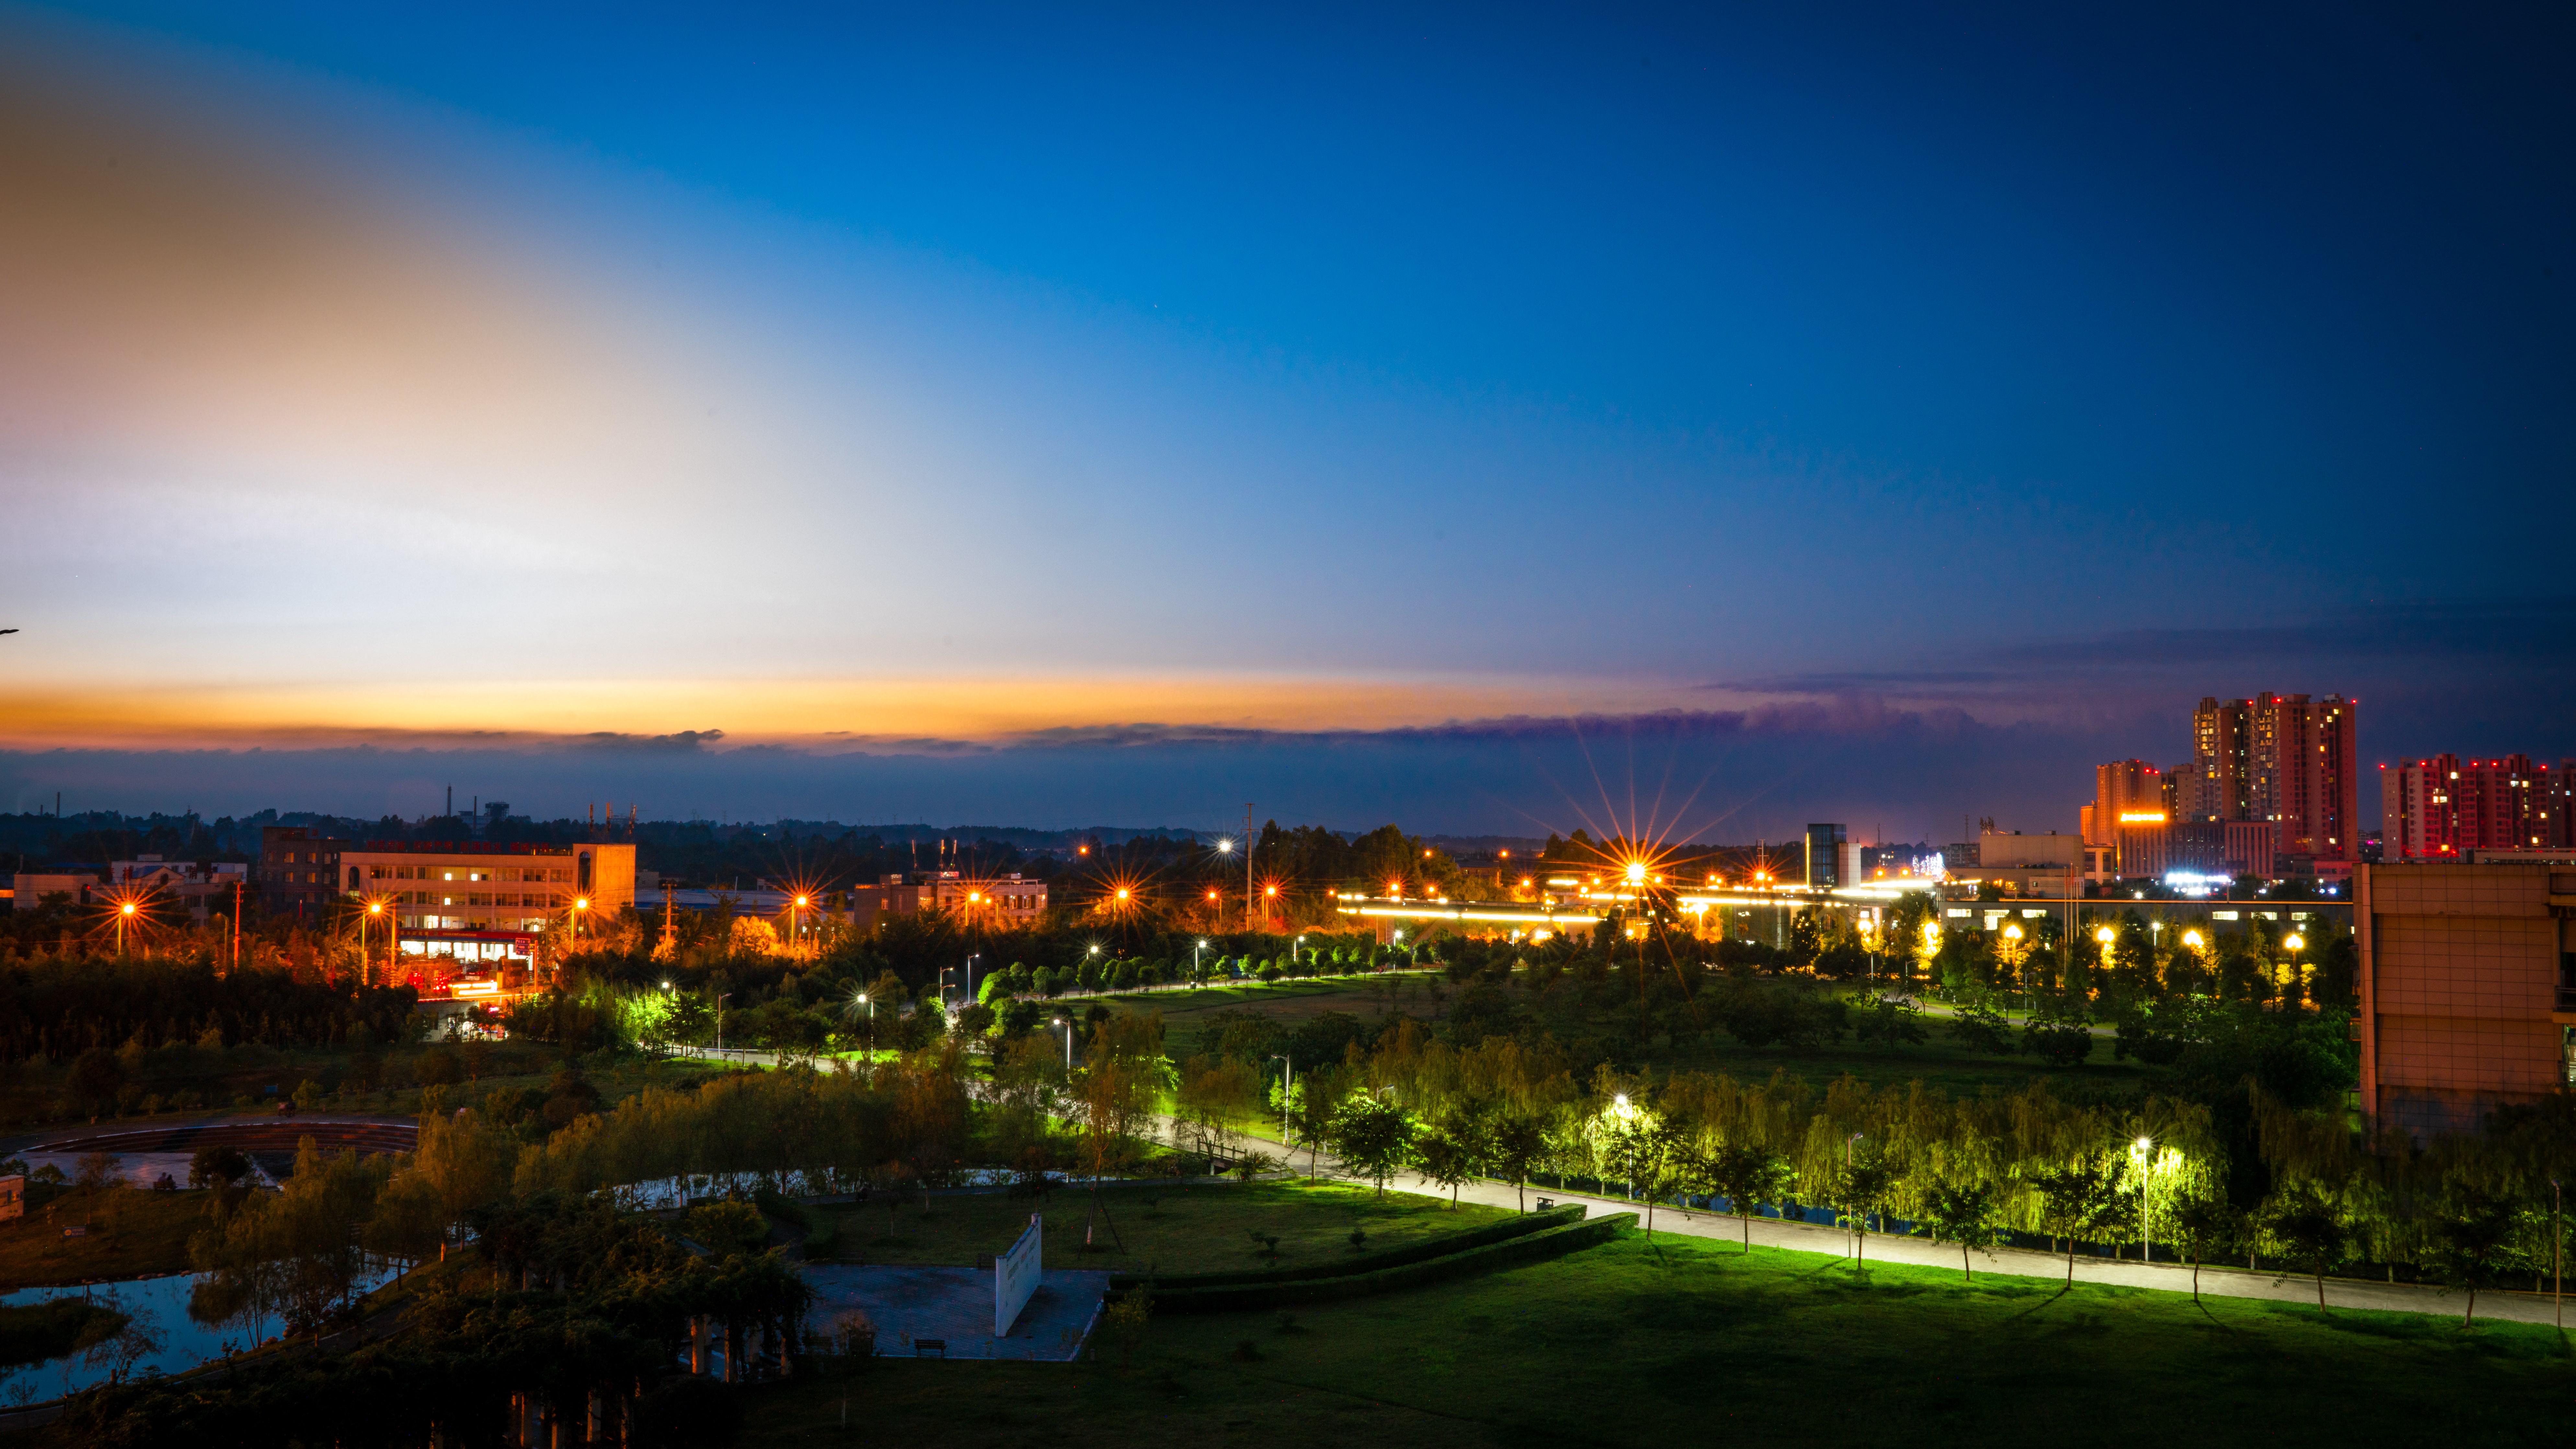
(1964, 1214)
(2076, 1200)
(2473, 1237)
(1373, 1137)
(2058, 1035)
(2199, 1225)
(1889, 1022)
(1449, 1152)
(1981, 1028)
(1747, 1177)
(1518, 1144)
(1863, 1186)
(2309, 1230)
(95, 1077)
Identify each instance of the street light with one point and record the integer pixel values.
(720, 1001)
(1068, 1042)
(1287, 1084)
(2144, 1149)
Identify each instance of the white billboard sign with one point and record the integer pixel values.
(1015, 1277)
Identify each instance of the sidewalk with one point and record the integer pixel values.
(2216, 1280)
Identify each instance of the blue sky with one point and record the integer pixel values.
(845, 378)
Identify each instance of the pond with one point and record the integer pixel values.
(162, 1338)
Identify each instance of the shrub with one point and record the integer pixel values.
(726, 1227)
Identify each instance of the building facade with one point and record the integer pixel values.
(1825, 855)
(2443, 807)
(2120, 789)
(1009, 899)
(2468, 989)
(299, 871)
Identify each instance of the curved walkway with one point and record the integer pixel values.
(2216, 1280)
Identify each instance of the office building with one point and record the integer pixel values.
(2249, 847)
(476, 901)
(2468, 989)
(1825, 856)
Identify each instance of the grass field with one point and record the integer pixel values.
(131, 1234)
(1688, 1341)
(1179, 1229)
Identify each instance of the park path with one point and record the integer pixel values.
(2216, 1280)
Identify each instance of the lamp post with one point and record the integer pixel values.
(2145, 1148)
(1287, 1084)
(720, 1001)
(1194, 959)
(1068, 1042)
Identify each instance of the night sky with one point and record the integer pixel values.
(1494, 419)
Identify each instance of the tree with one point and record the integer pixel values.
(2199, 1224)
(2473, 1242)
(1981, 1028)
(1747, 1176)
(1662, 1162)
(2074, 1201)
(1965, 1215)
(1891, 1022)
(217, 1167)
(1373, 1137)
(1312, 1104)
(1448, 1152)
(2309, 1230)
(1862, 1188)
(1519, 1141)
(95, 1077)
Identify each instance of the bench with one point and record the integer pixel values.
(922, 1346)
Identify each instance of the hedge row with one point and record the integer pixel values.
(1429, 1248)
(1528, 1248)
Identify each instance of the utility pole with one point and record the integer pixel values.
(1250, 905)
(237, 910)
(670, 920)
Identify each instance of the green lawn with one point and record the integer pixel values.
(131, 1233)
(1178, 1229)
(1686, 1341)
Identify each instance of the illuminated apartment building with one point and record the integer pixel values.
(2444, 807)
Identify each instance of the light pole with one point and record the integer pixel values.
(1292, 950)
(2294, 943)
(2146, 1150)
(1068, 1042)
(720, 1001)
(1287, 1084)
(1195, 974)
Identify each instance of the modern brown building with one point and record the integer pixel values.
(2468, 989)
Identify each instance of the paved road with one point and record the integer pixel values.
(2216, 1281)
